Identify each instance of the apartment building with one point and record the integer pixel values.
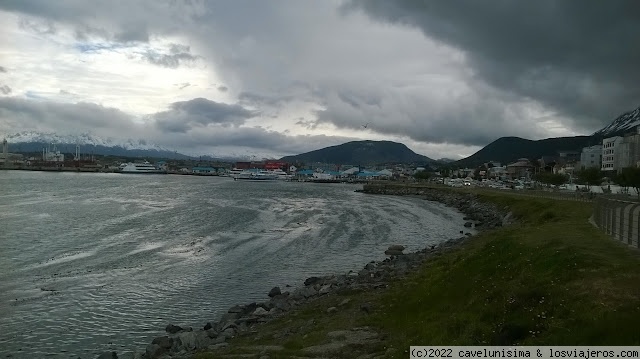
(591, 157)
(621, 152)
(609, 147)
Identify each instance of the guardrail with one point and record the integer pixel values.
(618, 218)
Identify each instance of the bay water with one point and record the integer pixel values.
(94, 262)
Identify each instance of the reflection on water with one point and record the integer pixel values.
(95, 262)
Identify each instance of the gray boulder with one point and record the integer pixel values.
(274, 291)
(108, 355)
(312, 280)
(163, 342)
(391, 252)
(396, 247)
(185, 341)
(260, 311)
(154, 351)
(172, 329)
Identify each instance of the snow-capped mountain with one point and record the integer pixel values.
(85, 139)
(32, 141)
(624, 123)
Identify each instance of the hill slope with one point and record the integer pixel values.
(509, 149)
(361, 153)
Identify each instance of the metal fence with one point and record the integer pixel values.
(619, 219)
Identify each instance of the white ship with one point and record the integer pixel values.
(235, 171)
(259, 175)
(280, 174)
(144, 167)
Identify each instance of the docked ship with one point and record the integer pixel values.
(235, 172)
(144, 167)
(259, 175)
(280, 175)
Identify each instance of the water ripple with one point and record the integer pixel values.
(104, 262)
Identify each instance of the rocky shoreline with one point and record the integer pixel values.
(184, 342)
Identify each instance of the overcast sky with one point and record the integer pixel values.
(281, 77)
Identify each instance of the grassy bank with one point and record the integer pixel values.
(550, 279)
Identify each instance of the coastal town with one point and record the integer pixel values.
(609, 159)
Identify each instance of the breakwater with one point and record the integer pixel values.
(485, 214)
(180, 342)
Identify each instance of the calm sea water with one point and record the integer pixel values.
(96, 262)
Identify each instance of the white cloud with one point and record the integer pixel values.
(284, 61)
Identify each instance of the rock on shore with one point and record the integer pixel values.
(181, 342)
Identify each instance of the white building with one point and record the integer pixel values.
(610, 146)
(385, 173)
(323, 176)
(351, 171)
(621, 152)
(591, 157)
(53, 155)
(628, 153)
(497, 172)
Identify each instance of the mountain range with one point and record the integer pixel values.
(621, 125)
(509, 149)
(32, 141)
(504, 149)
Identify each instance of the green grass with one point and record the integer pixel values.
(550, 279)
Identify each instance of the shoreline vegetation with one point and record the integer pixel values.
(536, 273)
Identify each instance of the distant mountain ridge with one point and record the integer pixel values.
(509, 149)
(32, 141)
(621, 125)
(361, 153)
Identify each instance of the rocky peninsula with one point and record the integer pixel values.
(247, 319)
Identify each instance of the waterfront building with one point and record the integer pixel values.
(591, 157)
(204, 170)
(610, 146)
(519, 169)
(621, 152)
(7, 158)
(52, 155)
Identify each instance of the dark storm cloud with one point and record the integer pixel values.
(255, 99)
(133, 33)
(473, 115)
(50, 9)
(2, 69)
(579, 57)
(308, 124)
(5, 89)
(84, 32)
(199, 112)
(31, 114)
(358, 71)
(256, 138)
(178, 55)
(358, 99)
(39, 27)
